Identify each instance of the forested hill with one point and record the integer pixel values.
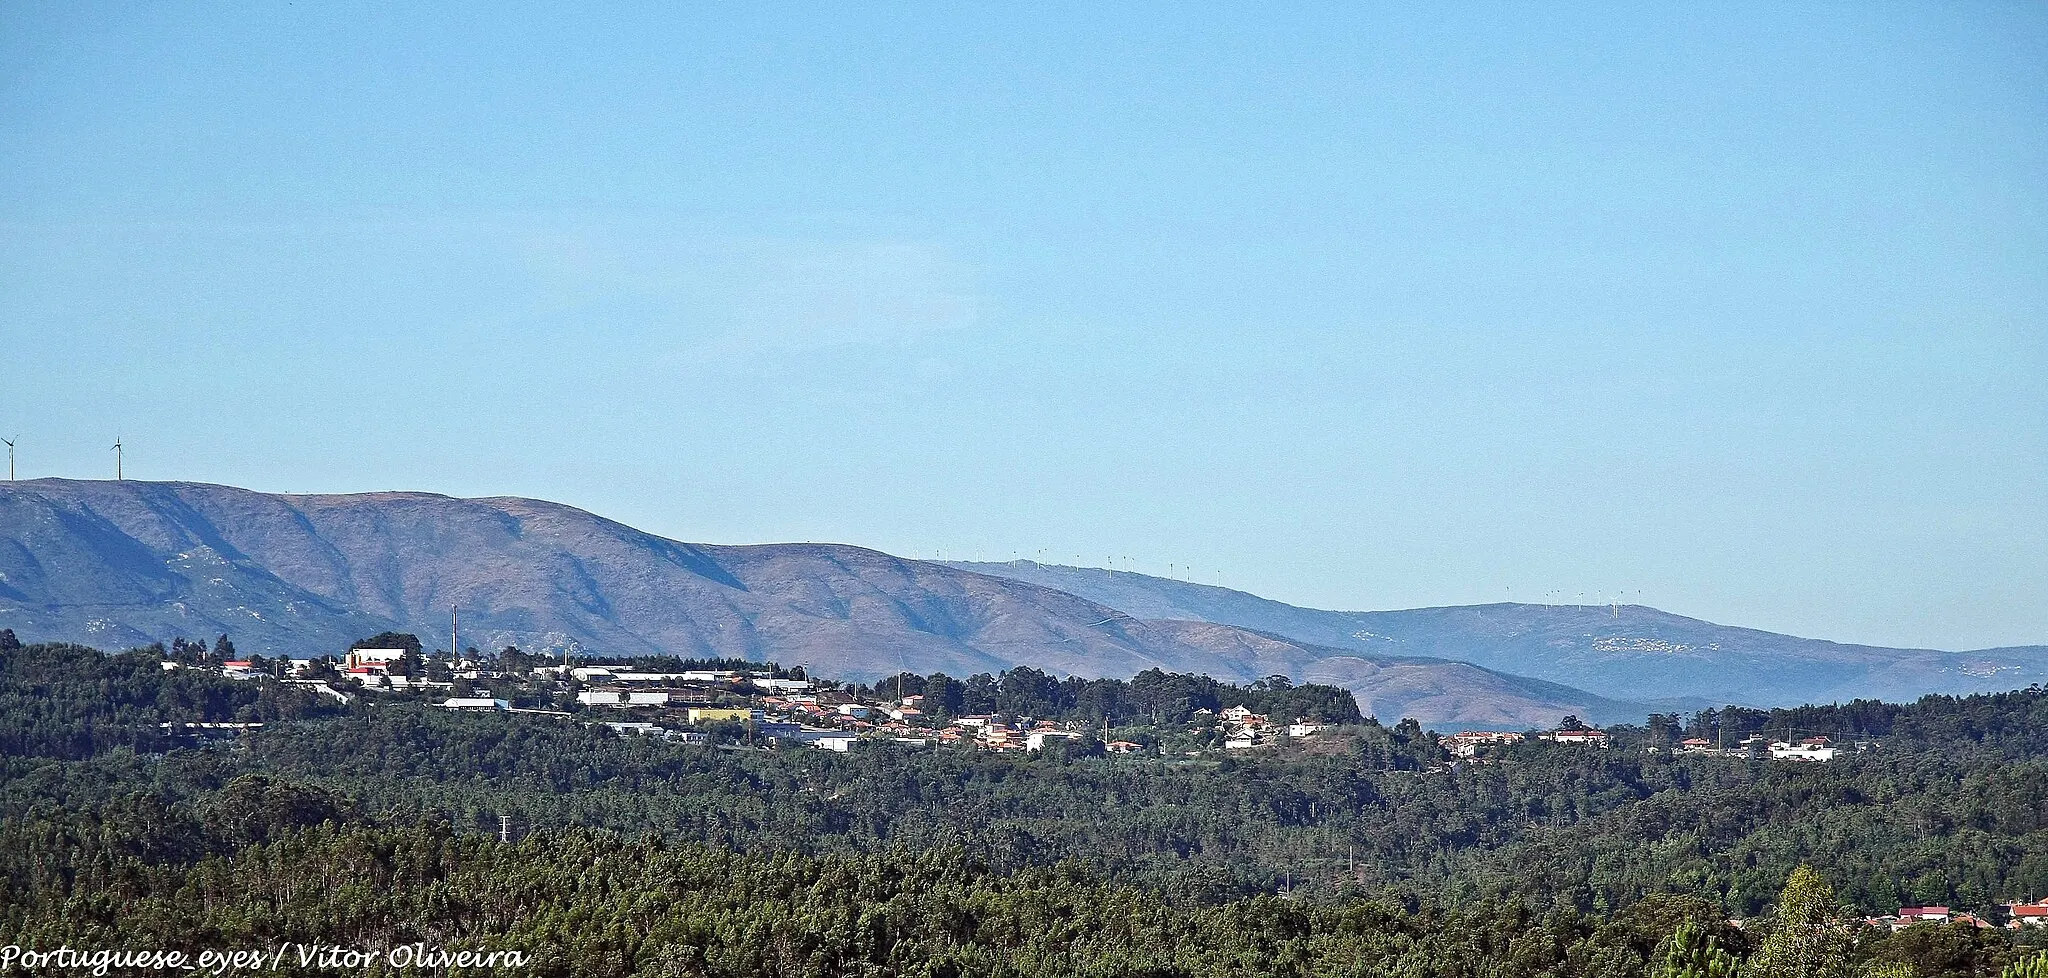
(116, 564)
(1627, 652)
(1363, 852)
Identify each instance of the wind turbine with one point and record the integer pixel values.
(10, 459)
(117, 458)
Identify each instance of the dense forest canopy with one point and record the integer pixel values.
(1363, 851)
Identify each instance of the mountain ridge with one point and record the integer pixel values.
(1628, 652)
(126, 563)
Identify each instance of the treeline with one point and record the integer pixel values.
(596, 905)
(1152, 697)
(70, 701)
(2015, 723)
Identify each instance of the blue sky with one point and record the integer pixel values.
(1740, 311)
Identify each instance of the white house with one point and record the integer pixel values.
(2027, 914)
(1801, 752)
(1930, 915)
(474, 703)
(1586, 738)
(1037, 738)
(835, 741)
(1466, 743)
(705, 677)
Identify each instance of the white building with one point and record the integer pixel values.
(1802, 752)
(622, 697)
(372, 657)
(836, 741)
(474, 703)
(1036, 739)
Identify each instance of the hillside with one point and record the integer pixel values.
(115, 564)
(1627, 652)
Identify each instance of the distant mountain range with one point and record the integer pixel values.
(1627, 652)
(116, 564)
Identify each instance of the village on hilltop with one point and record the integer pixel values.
(760, 705)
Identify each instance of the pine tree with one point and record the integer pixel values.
(1811, 936)
(1693, 953)
(2032, 967)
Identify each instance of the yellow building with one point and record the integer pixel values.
(714, 714)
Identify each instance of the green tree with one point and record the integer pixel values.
(390, 640)
(1693, 953)
(2030, 967)
(1810, 937)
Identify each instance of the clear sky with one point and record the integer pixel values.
(1739, 310)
